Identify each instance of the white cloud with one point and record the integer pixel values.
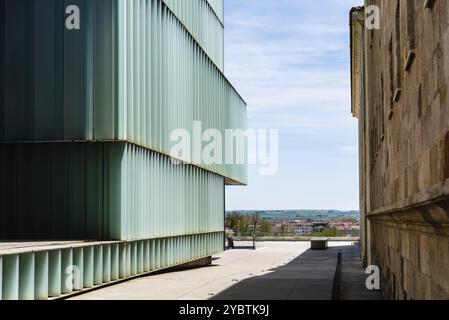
(289, 59)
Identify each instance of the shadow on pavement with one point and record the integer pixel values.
(310, 276)
(307, 277)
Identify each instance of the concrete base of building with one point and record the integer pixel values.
(199, 263)
(52, 270)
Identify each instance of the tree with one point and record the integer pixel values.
(283, 229)
(254, 219)
(265, 227)
(232, 220)
(243, 226)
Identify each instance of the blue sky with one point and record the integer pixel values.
(289, 59)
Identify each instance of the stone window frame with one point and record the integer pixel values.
(398, 53)
(390, 65)
(428, 4)
(410, 34)
(382, 110)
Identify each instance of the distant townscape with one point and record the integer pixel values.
(290, 223)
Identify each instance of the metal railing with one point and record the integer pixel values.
(240, 243)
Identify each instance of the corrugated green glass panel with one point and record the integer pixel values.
(48, 271)
(175, 64)
(218, 6)
(10, 277)
(104, 191)
(133, 72)
(200, 19)
(41, 275)
(180, 199)
(26, 276)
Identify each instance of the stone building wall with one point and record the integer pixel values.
(405, 141)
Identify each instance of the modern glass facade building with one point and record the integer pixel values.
(86, 116)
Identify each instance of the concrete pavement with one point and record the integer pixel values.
(308, 276)
(353, 277)
(275, 271)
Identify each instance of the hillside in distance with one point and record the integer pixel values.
(281, 215)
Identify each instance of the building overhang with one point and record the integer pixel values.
(232, 182)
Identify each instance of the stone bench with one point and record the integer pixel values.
(319, 243)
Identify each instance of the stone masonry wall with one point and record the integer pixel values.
(408, 126)
(408, 110)
(412, 249)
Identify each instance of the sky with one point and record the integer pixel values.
(289, 59)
